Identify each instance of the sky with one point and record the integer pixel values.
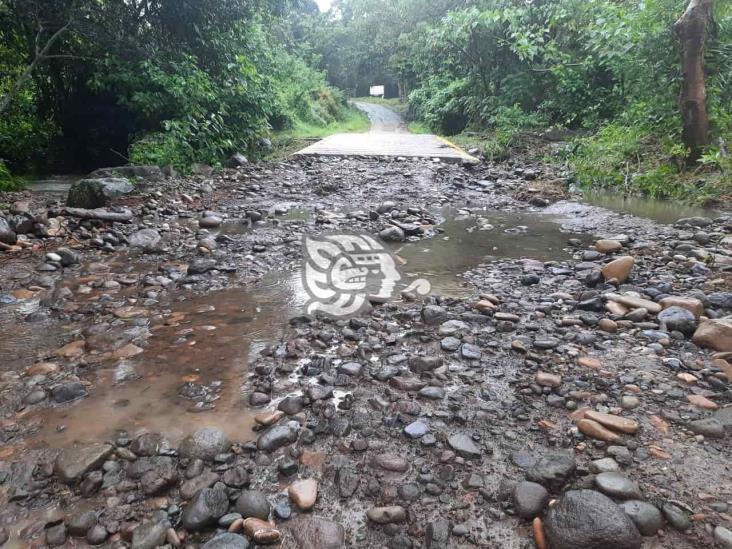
(324, 5)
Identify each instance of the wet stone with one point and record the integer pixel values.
(275, 438)
(387, 515)
(450, 344)
(68, 392)
(291, 405)
(647, 517)
(205, 444)
(205, 509)
(585, 519)
(80, 523)
(73, 463)
(470, 352)
(416, 429)
(709, 427)
(437, 534)
(677, 517)
(464, 446)
(723, 537)
(252, 503)
(56, 535)
(617, 485)
(318, 533)
(227, 541)
(552, 470)
(529, 499)
(149, 535)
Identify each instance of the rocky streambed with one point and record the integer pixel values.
(565, 385)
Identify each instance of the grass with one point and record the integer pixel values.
(289, 141)
(418, 127)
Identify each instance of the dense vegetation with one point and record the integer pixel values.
(608, 70)
(98, 82)
(87, 83)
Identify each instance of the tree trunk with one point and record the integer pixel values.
(691, 30)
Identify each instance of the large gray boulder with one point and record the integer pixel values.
(96, 193)
(585, 519)
(150, 173)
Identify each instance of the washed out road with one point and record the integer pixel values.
(161, 384)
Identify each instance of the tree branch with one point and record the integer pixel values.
(41, 56)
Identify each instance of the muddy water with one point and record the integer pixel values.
(479, 235)
(661, 211)
(189, 375)
(191, 371)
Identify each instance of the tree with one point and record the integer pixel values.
(691, 30)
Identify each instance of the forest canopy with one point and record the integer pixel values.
(177, 81)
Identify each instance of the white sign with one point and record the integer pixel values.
(376, 90)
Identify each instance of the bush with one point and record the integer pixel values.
(7, 181)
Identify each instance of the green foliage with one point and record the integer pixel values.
(602, 67)
(7, 181)
(163, 81)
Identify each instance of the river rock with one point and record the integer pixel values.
(96, 193)
(276, 437)
(585, 519)
(608, 246)
(147, 172)
(191, 487)
(205, 444)
(551, 470)
(205, 509)
(149, 535)
(253, 504)
(464, 446)
(546, 379)
(81, 522)
(618, 269)
(691, 304)
(617, 485)
(73, 463)
(433, 314)
(227, 541)
(594, 430)
(616, 423)
(529, 499)
(709, 427)
(421, 364)
(715, 334)
(676, 516)
(678, 319)
(391, 462)
(391, 234)
(210, 222)
(68, 392)
(387, 515)
(147, 239)
(56, 535)
(304, 493)
(646, 517)
(317, 533)
(723, 537)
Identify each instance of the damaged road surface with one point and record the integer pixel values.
(565, 383)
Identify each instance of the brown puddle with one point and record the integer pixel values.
(191, 371)
(479, 236)
(203, 350)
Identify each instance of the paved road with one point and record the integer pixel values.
(382, 118)
(389, 137)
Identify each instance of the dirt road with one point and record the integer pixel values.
(160, 379)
